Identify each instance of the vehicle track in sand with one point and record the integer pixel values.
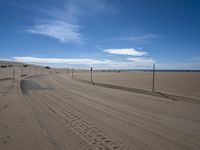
(65, 113)
(81, 128)
(164, 129)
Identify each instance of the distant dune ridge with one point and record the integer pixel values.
(45, 109)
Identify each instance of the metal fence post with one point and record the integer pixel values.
(73, 72)
(91, 74)
(13, 75)
(67, 71)
(21, 72)
(153, 82)
(91, 77)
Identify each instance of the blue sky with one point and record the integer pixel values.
(124, 34)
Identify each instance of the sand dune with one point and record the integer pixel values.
(49, 111)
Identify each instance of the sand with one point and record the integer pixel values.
(50, 111)
(179, 83)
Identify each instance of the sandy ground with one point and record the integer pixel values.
(181, 83)
(48, 111)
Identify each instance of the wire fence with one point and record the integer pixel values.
(181, 83)
(15, 73)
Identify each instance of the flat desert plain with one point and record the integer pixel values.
(44, 109)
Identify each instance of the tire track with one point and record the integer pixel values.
(71, 108)
(162, 134)
(41, 115)
(183, 138)
(92, 135)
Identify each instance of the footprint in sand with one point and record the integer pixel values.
(4, 107)
(6, 140)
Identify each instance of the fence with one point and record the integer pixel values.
(180, 83)
(18, 72)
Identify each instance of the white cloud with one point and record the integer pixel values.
(85, 63)
(141, 60)
(132, 63)
(65, 32)
(60, 60)
(125, 51)
(61, 21)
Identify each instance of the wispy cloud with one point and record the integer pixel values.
(67, 11)
(125, 51)
(141, 60)
(137, 38)
(62, 21)
(98, 6)
(63, 31)
(140, 38)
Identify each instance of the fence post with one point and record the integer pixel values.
(153, 83)
(13, 75)
(91, 69)
(67, 71)
(21, 72)
(91, 74)
(73, 72)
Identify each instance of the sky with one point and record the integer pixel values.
(103, 34)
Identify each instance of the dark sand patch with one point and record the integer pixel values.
(27, 85)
